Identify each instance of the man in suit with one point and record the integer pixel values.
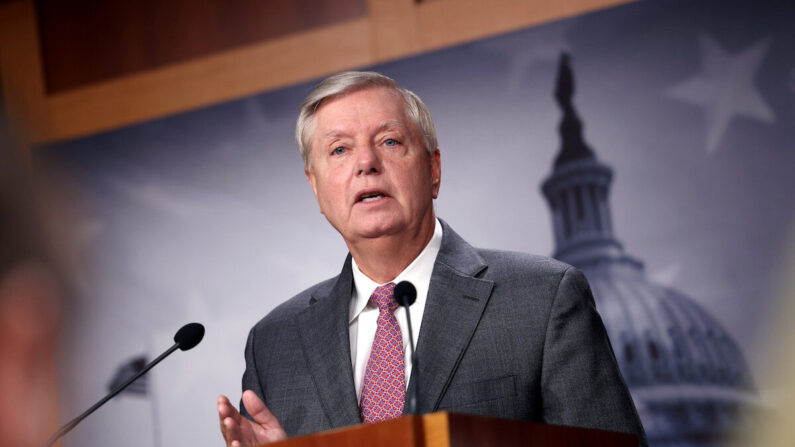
(501, 334)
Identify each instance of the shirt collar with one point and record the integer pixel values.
(418, 273)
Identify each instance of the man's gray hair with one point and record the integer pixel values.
(349, 82)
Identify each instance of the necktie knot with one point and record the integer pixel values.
(384, 298)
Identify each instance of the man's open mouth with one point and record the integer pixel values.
(370, 196)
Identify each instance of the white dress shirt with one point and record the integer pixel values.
(362, 323)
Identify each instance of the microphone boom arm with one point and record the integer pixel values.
(73, 423)
(186, 338)
(415, 390)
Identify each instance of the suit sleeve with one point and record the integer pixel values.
(580, 381)
(250, 376)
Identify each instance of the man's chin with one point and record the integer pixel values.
(376, 233)
(375, 230)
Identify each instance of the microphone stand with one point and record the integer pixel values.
(73, 423)
(414, 367)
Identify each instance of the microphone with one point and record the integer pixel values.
(187, 337)
(406, 295)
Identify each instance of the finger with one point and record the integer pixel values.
(228, 418)
(231, 431)
(258, 411)
(226, 409)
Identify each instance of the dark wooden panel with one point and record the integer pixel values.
(478, 431)
(87, 41)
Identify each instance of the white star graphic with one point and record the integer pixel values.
(725, 88)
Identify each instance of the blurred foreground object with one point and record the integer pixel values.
(776, 426)
(31, 292)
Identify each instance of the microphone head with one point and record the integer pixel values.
(189, 336)
(405, 293)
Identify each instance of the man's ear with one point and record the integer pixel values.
(310, 177)
(436, 172)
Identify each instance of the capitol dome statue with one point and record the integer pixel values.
(688, 377)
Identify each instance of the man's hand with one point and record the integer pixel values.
(239, 431)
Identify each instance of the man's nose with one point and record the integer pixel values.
(367, 160)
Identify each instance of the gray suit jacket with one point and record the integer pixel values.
(504, 334)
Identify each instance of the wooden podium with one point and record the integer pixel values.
(460, 430)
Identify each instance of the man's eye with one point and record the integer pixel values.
(390, 142)
(339, 151)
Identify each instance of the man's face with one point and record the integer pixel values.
(369, 169)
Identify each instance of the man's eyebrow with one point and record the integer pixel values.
(389, 124)
(335, 134)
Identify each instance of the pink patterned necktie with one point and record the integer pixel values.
(384, 387)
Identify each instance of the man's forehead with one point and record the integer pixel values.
(330, 123)
(343, 129)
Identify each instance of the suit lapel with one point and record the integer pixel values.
(323, 328)
(456, 301)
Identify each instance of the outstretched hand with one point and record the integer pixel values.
(239, 431)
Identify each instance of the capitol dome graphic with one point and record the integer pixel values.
(688, 377)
